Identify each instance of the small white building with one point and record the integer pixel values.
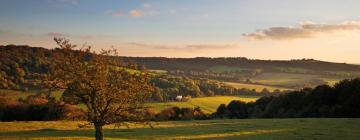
(179, 98)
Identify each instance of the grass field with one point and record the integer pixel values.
(221, 69)
(255, 129)
(207, 104)
(258, 88)
(158, 71)
(289, 79)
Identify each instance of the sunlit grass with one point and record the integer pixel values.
(282, 129)
(258, 88)
(207, 104)
(158, 71)
(221, 69)
(289, 79)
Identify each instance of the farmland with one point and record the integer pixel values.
(207, 104)
(291, 79)
(257, 87)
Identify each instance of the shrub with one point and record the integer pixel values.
(37, 108)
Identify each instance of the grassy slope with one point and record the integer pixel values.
(258, 88)
(284, 79)
(258, 129)
(220, 69)
(207, 104)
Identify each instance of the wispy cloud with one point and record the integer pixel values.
(135, 13)
(190, 47)
(56, 34)
(303, 30)
(146, 5)
(114, 13)
(66, 35)
(141, 11)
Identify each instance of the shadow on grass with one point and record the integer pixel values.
(201, 131)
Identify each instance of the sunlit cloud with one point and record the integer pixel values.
(303, 30)
(135, 13)
(141, 13)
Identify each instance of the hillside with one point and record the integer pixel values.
(207, 104)
(293, 74)
(23, 67)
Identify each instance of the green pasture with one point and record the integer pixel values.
(207, 104)
(257, 87)
(248, 129)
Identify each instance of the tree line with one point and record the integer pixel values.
(203, 64)
(341, 100)
(28, 68)
(167, 87)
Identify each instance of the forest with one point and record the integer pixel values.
(340, 101)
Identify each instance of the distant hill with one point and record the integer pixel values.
(289, 74)
(20, 65)
(205, 63)
(24, 67)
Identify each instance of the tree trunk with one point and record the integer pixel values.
(99, 134)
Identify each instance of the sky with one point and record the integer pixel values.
(327, 30)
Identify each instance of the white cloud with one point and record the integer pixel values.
(303, 30)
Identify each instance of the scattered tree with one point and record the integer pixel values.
(111, 94)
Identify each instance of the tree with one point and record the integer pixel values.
(110, 92)
(221, 111)
(237, 109)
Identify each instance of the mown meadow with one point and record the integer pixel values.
(258, 129)
(206, 104)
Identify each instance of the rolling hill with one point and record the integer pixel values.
(21, 67)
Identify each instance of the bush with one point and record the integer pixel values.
(36, 108)
(176, 113)
(342, 100)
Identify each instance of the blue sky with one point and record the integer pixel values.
(189, 28)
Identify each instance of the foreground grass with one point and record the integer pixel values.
(210, 129)
(207, 104)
